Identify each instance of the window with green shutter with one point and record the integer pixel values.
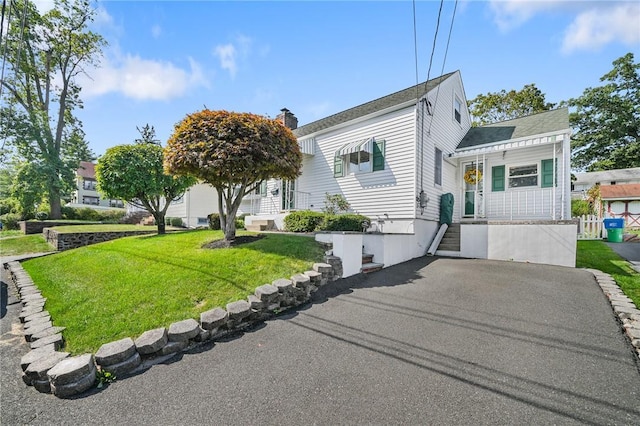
(497, 178)
(548, 174)
(338, 166)
(378, 155)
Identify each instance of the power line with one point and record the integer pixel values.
(444, 60)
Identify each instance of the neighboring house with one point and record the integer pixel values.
(622, 201)
(394, 157)
(195, 205)
(86, 193)
(584, 181)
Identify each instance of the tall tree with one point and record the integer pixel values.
(234, 153)
(606, 120)
(44, 55)
(134, 173)
(503, 105)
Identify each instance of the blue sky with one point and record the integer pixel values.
(166, 59)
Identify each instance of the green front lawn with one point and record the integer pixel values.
(122, 288)
(598, 255)
(23, 244)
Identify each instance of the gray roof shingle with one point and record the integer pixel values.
(535, 124)
(388, 101)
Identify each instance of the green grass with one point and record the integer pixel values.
(23, 244)
(122, 288)
(10, 233)
(598, 255)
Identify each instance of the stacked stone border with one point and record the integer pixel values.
(49, 369)
(70, 240)
(624, 308)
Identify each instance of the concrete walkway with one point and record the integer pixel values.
(628, 251)
(431, 341)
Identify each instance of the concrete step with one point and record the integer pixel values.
(266, 222)
(449, 247)
(367, 268)
(255, 228)
(367, 258)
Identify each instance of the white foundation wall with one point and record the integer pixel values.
(552, 244)
(388, 249)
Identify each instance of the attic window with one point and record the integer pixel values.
(457, 108)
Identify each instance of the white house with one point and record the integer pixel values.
(194, 206)
(86, 194)
(393, 159)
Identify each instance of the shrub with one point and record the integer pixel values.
(68, 213)
(334, 204)
(302, 221)
(87, 214)
(112, 216)
(214, 221)
(134, 218)
(240, 222)
(176, 221)
(344, 222)
(581, 208)
(42, 215)
(10, 221)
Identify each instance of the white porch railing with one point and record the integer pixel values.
(522, 204)
(591, 227)
(293, 200)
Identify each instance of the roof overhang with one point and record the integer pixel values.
(525, 142)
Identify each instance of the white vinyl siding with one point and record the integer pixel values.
(439, 129)
(523, 201)
(389, 191)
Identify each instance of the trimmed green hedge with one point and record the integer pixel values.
(303, 221)
(310, 221)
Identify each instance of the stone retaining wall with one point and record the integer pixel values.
(49, 369)
(68, 241)
(35, 227)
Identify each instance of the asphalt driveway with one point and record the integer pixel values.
(432, 341)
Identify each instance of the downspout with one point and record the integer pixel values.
(484, 199)
(554, 183)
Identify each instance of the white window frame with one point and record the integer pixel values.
(457, 109)
(355, 163)
(510, 177)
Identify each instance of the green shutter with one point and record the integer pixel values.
(378, 155)
(548, 174)
(338, 166)
(497, 178)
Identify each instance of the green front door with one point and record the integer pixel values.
(472, 187)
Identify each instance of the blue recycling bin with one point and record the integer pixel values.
(614, 227)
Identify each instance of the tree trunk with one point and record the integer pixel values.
(55, 207)
(159, 217)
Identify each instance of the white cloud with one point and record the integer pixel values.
(595, 28)
(232, 53)
(143, 79)
(510, 14)
(596, 23)
(156, 31)
(227, 55)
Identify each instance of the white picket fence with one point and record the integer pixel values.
(591, 227)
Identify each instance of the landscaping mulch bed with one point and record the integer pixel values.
(244, 239)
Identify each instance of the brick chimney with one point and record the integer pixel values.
(287, 118)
